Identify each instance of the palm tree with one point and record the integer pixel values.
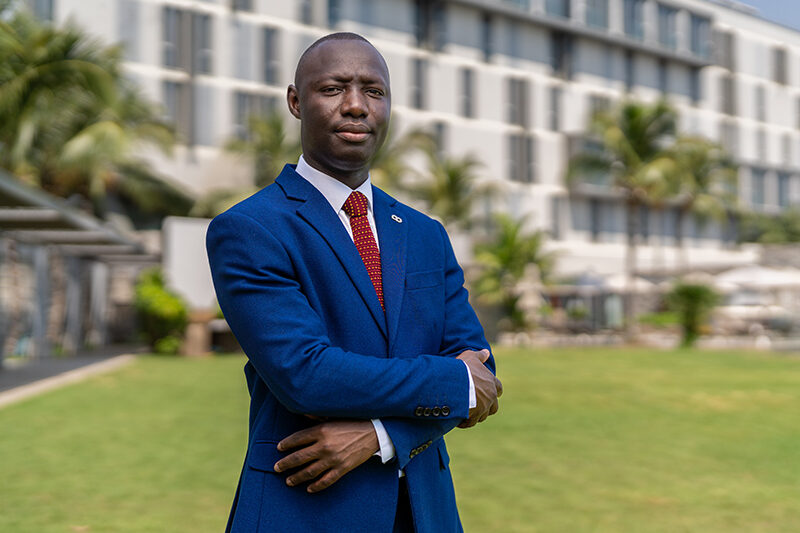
(389, 169)
(449, 188)
(634, 155)
(504, 262)
(70, 122)
(704, 182)
(268, 144)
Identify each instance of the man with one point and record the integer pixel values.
(363, 349)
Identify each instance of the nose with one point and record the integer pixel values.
(354, 103)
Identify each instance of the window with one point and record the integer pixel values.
(419, 69)
(723, 49)
(797, 112)
(178, 106)
(334, 13)
(271, 63)
(599, 103)
(486, 37)
(366, 12)
(729, 136)
(644, 222)
(667, 35)
(518, 102)
(556, 207)
(594, 218)
(786, 149)
(306, 12)
(43, 9)
(634, 18)
(440, 137)
(561, 54)
(784, 181)
(559, 8)
(630, 71)
(242, 5)
(761, 103)
(662, 77)
(172, 26)
(699, 28)
(555, 108)
(695, 91)
(779, 65)
(202, 48)
(246, 105)
(521, 158)
(467, 92)
(761, 144)
(128, 27)
(430, 24)
(597, 13)
(757, 187)
(727, 94)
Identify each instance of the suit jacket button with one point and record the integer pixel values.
(436, 411)
(418, 411)
(427, 411)
(445, 411)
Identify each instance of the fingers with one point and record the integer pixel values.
(498, 386)
(483, 355)
(330, 477)
(296, 459)
(304, 436)
(310, 472)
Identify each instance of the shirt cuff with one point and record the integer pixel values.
(473, 400)
(386, 451)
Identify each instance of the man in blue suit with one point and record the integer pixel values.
(363, 350)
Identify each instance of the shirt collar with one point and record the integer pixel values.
(332, 189)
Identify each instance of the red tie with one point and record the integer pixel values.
(356, 209)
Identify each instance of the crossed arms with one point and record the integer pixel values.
(254, 278)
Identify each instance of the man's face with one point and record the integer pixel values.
(343, 101)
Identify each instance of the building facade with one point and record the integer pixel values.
(511, 82)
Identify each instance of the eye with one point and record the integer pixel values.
(331, 90)
(375, 92)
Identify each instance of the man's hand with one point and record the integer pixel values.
(330, 450)
(487, 387)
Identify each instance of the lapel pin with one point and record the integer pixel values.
(397, 219)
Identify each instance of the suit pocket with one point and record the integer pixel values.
(263, 455)
(424, 280)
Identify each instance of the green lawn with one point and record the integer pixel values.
(586, 441)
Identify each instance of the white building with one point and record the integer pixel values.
(510, 81)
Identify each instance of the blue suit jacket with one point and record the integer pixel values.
(299, 300)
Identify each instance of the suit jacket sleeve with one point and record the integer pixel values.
(286, 341)
(462, 332)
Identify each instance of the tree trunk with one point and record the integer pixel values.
(629, 298)
(683, 258)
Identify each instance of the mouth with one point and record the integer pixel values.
(355, 133)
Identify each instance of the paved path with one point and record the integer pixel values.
(23, 380)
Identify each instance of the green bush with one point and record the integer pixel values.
(660, 319)
(693, 303)
(162, 314)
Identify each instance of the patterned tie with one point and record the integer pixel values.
(356, 209)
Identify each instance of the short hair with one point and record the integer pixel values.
(338, 36)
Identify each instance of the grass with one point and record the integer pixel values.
(587, 441)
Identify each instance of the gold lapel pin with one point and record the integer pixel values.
(397, 219)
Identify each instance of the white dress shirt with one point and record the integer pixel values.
(337, 193)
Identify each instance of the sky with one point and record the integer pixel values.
(786, 12)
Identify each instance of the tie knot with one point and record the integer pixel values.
(356, 205)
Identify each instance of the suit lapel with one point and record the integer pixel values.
(317, 212)
(392, 235)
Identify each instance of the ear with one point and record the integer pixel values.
(293, 100)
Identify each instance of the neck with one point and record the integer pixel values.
(351, 178)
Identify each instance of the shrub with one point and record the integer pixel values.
(162, 314)
(693, 303)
